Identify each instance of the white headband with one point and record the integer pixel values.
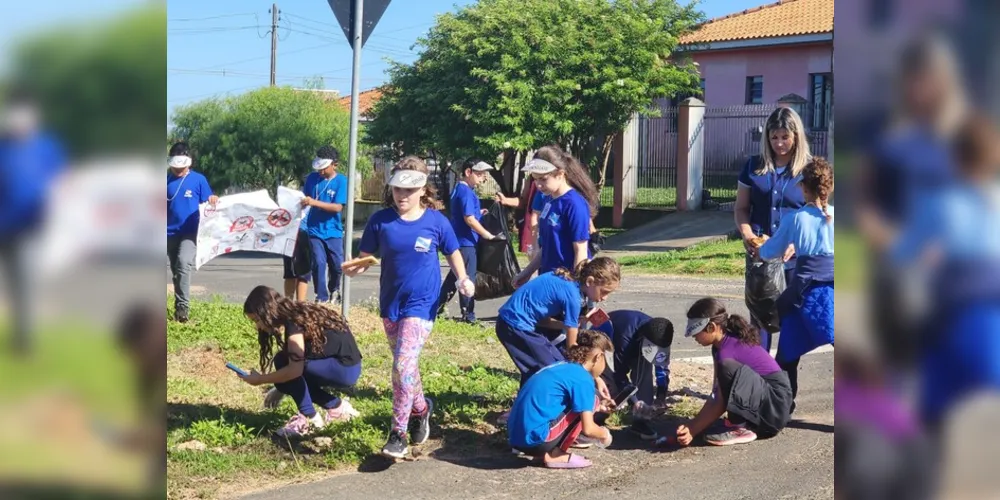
(696, 325)
(179, 161)
(321, 163)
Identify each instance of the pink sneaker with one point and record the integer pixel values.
(342, 413)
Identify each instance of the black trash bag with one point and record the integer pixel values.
(596, 243)
(764, 283)
(496, 262)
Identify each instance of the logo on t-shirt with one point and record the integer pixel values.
(422, 245)
(331, 193)
(545, 210)
(187, 193)
(554, 220)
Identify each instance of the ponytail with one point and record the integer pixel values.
(604, 270)
(739, 327)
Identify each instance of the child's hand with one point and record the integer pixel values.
(789, 253)
(603, 392)
(467, 287)
(252, 378)
(684, 437)
(484, 211)
(520, 279)
(353, 271)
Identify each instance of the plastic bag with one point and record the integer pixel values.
(765, 280)
(496, 262)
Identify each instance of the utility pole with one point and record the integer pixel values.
(274, 41)
(352, 156)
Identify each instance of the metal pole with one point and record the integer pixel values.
(352, 157)
(274, 41)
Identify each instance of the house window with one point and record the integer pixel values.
(755, 90)
(702, 89)
(821, 98)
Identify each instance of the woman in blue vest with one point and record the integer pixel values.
(768, 190)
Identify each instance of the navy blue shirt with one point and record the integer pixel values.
(27, 168)
(908, 163)
(773, 195)
(411, 272)
(464, 203)
(184, 194)
(627, 347)
(562, 222)
(320, 223)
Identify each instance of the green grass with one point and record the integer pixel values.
(462, 366)
(852, 262)
(725, 258)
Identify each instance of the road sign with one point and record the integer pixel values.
(372, 13)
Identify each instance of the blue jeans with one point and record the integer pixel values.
(450, 285)
(317, 374)
(327, 256)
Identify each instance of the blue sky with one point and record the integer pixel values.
(230, 53)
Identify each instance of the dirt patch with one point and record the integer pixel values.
(694, 377)
(204, 362)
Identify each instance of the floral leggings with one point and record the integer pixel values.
(406, 340)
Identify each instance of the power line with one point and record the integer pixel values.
(193, 19)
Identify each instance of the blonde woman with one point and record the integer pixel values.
(768, 190)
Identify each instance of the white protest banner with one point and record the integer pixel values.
(250, 222)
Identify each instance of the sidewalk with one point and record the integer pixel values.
(673, 231)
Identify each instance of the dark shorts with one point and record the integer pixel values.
(299, 264)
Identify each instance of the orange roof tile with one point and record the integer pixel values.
(783, 18)
(366, 99)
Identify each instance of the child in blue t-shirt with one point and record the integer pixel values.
(558, 403)
(408, 235)
(326, 195)
(805, 308)
(748, 384)
(465, 214)
(186, 190)
(564, 219)
(551, 295)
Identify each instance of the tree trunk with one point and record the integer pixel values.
(606, 148)
(508, 172)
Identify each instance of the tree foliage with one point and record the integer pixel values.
(513, 75)
(264, 137)
(101, 87)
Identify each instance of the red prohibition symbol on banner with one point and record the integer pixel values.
(241, 224)
(279, 217)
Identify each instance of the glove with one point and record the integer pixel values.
(467, 287)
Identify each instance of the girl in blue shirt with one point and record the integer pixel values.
(559, 294)
(557, 405)
(806, 305)
(564, 222)
(408, 235)
(767, 192)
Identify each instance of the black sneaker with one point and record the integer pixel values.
(642, 429)
(422, 430)
(395, 447)
(181, 316)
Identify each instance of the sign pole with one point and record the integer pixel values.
(352, 158)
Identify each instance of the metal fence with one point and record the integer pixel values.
(656, 178)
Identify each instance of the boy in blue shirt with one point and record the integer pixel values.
(186, 190)
(326, 195)
(465, 214)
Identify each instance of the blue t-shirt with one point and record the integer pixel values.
(561, 222)
(807, 229)
(411, 272)
(27, 168)
(464, 202)
(963, 221)
(320, 223)
(547, 296)
(538, 201)
(556, 389)
(184, 194)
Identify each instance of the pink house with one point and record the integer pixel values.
(780, 51)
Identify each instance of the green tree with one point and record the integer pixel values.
(262, 138)
(508, 76)
(101, 87)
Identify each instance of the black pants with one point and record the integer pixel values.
(763, 403)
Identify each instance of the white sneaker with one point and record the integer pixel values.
(342, 413)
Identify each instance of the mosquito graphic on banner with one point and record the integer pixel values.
(250, 222)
